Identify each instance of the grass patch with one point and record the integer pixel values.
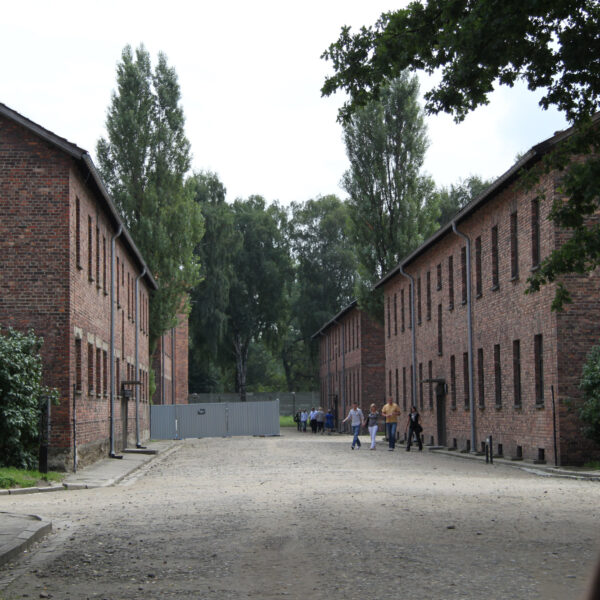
(594, 464)
(20, 478)
(286, 421)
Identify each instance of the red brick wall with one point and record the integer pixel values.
(500, 316)
(42, 287)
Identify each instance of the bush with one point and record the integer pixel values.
(590, 386)
(21, 397)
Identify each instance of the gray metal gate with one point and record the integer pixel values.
(179, 421)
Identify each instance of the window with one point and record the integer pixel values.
(104, 265)
(538, 349)
(395, 315)
(466, 378)
(118, 286)
(480, 380)
(421, 385)
(428, 292)
(90, 363)
(430, 369)
(90, 250)
(128, 297)
(440, 330)
(412, 388)
(390, 383)
(402, 310)
(397, 389)
(105, 372)
(411, 306)
(439, 276)
(453, 381)
(419, 300)
(389, 321)
(497, 376)
(118, 376)
(535, 233)
(98, 371)
(78, 364)
(450, 282)
(495, 278)
(98, 282)
(463, 265)
(514, 247)
(517, 372)
(77, 233)
(404, 388)
(478, 286)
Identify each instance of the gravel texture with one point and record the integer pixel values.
(303, 516)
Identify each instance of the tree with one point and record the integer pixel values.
(590, 386)
(261, 274)
(21, 398)
(454, 198)
(324, 273)
(552, 45)
(143, 162)
(210, 297)
(392, 205)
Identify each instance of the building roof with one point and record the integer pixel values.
(84, 160)
(334, 321)
(527, 161)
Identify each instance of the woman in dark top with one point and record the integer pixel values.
(414, 428)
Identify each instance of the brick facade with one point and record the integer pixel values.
(56, 227)
(521, 350)
(174, 342)
(352, 362)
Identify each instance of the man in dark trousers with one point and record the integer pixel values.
(414, 428)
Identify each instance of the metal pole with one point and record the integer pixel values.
(554, 427)
(112, 341)
(137, 363)
(75, 428)
(491, 450)
(173, 401)
(470, 336)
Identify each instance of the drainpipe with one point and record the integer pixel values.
(137, 364)
(328, 371)
(173, 366)
(162, 369)
(470, 336)
(112, 341)
(414, 334)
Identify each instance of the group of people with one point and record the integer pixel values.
(391, 412)
(317, 418)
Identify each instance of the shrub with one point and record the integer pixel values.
(21, 397)
(590, 386)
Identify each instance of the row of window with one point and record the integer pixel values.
(342, 339)
(514, 273)
(479, 374)
(351, 387)
(98, 372)
(97, 270)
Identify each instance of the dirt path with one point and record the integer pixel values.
(303, 516)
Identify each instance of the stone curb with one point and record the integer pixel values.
(33, 532)
(538, 470)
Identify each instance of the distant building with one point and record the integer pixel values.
(516, 377)
(352, 362)
(64, 254)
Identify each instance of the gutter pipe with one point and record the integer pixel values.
(137, 364)
(112, 341)
(173, 400)
(414, 335)
(470, 336)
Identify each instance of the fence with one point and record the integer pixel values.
(179, 421)
(289, 402)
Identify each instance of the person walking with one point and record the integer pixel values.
(357, 420)
(329, 421)
(391, 411)
(297, 420)
(372, 425)
(312, 417)
(303, 419)
(414, 428)
(320, 417)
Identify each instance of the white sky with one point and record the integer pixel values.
(250, 76)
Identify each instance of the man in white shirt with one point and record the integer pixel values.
(357, 420)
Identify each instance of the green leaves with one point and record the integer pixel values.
(590, 386)
(21, 397)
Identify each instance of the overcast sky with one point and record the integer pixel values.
(250, 75)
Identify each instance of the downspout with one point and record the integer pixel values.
(470, 335)
(112, 341)
(414, 334)
(162, 369)
(328, 371)
(173, 366)
(137, 364)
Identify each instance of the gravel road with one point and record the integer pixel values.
(303, 516)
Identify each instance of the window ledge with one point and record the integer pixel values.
(80, 267)
(540, 406)
(450, 306)
(498, 406)
(535, 268)
(463, 302)
(495, 288)
(481, 406)
(440, 354)
(514, 278)
(453, 408)
(519, 407)
(478, 295)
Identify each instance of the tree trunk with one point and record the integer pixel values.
(241, 365)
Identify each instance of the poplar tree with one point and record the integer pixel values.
(144, 160)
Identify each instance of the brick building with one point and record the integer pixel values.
(172, 349)
(66, 259)
(466, 345)
(351, 350)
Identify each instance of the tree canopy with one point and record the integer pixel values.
(551, 45)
